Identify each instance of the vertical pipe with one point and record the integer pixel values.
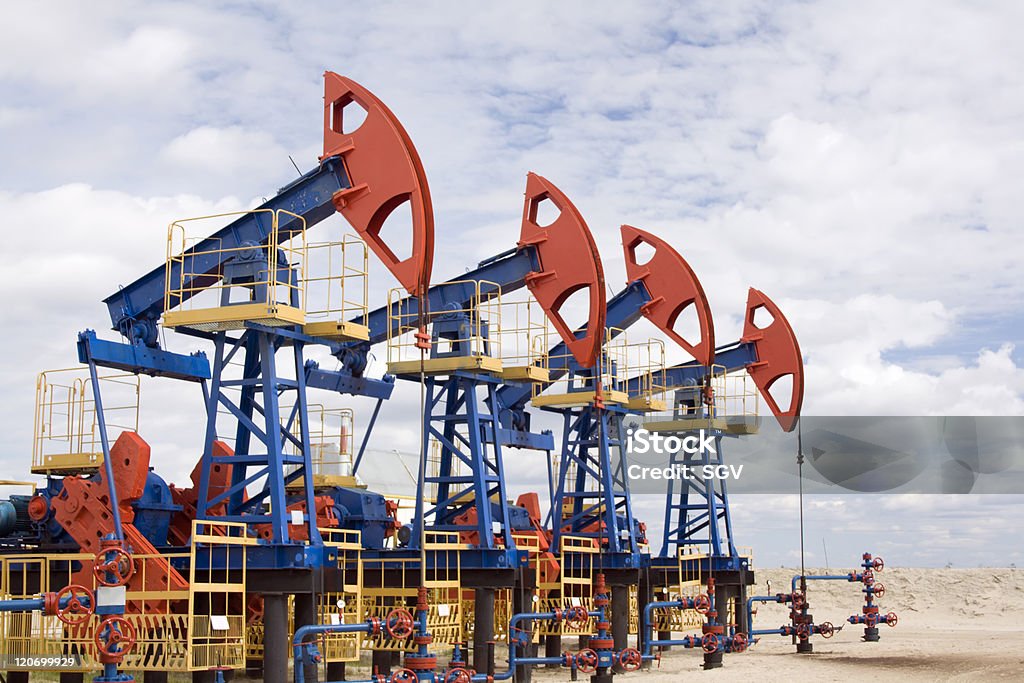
(275, 637)
(483, 626)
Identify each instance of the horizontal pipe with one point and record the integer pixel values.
(23, 605)
(649, 627)
(780, 631)
(820, 577)
(760, 598)
(514, 661)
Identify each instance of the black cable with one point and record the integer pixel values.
(800, 477)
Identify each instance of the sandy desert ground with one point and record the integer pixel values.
(955, 625)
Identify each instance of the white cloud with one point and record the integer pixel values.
(857, 163)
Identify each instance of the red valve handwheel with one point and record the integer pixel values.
(702, 604)
(399, 624)
(740, 642)
(802, 632)
(586, 661)
(799, 600)
(458, 676)
(709, 643)
(871, 619)
(114, 632)
(75, 612)
(891, 619)
(878, 564)
(826, 629)
(403, 676)
(576, 618)
(878, 589)
(120, 566)
(630, 659)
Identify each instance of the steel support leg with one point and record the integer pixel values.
(305, 614)
(72, 677)
(520, 604)
(276, 648)
(620, 620)
(483, 626)
(335, 671)
(644, 596)
(553, 648)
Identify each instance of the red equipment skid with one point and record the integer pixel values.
(84, 509)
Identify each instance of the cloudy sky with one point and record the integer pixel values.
(859, 162)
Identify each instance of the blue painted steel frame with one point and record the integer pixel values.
(261, 388)
(451, 402)
(139, 304)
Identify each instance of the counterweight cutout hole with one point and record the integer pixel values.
(347, 116)
(762, 318)
(543, 211)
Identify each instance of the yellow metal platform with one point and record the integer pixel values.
(338, 330)
(579, 398)
(526, 373)
(326, 481)
(647, 404)
(69, 463)
(735, 425)
(444, 366)
(223, 318)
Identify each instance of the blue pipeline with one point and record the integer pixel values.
(312, 630)
(820, 577)
(780, 631)
(33, 604)
(24, 605)
(514, 661)
(649, 642)
(750, 609)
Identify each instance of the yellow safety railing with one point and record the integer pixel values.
(473, 346)
(524, 336)
(342, 601)
(330, 445)
(732, 405)
(612, 369)
(337, 289)
(177, 629)
(646, 362)
(203, 276)
(66, 430)
(578, 557)
(391, 583)
(217, 598)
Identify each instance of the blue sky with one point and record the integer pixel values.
(859, 162)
